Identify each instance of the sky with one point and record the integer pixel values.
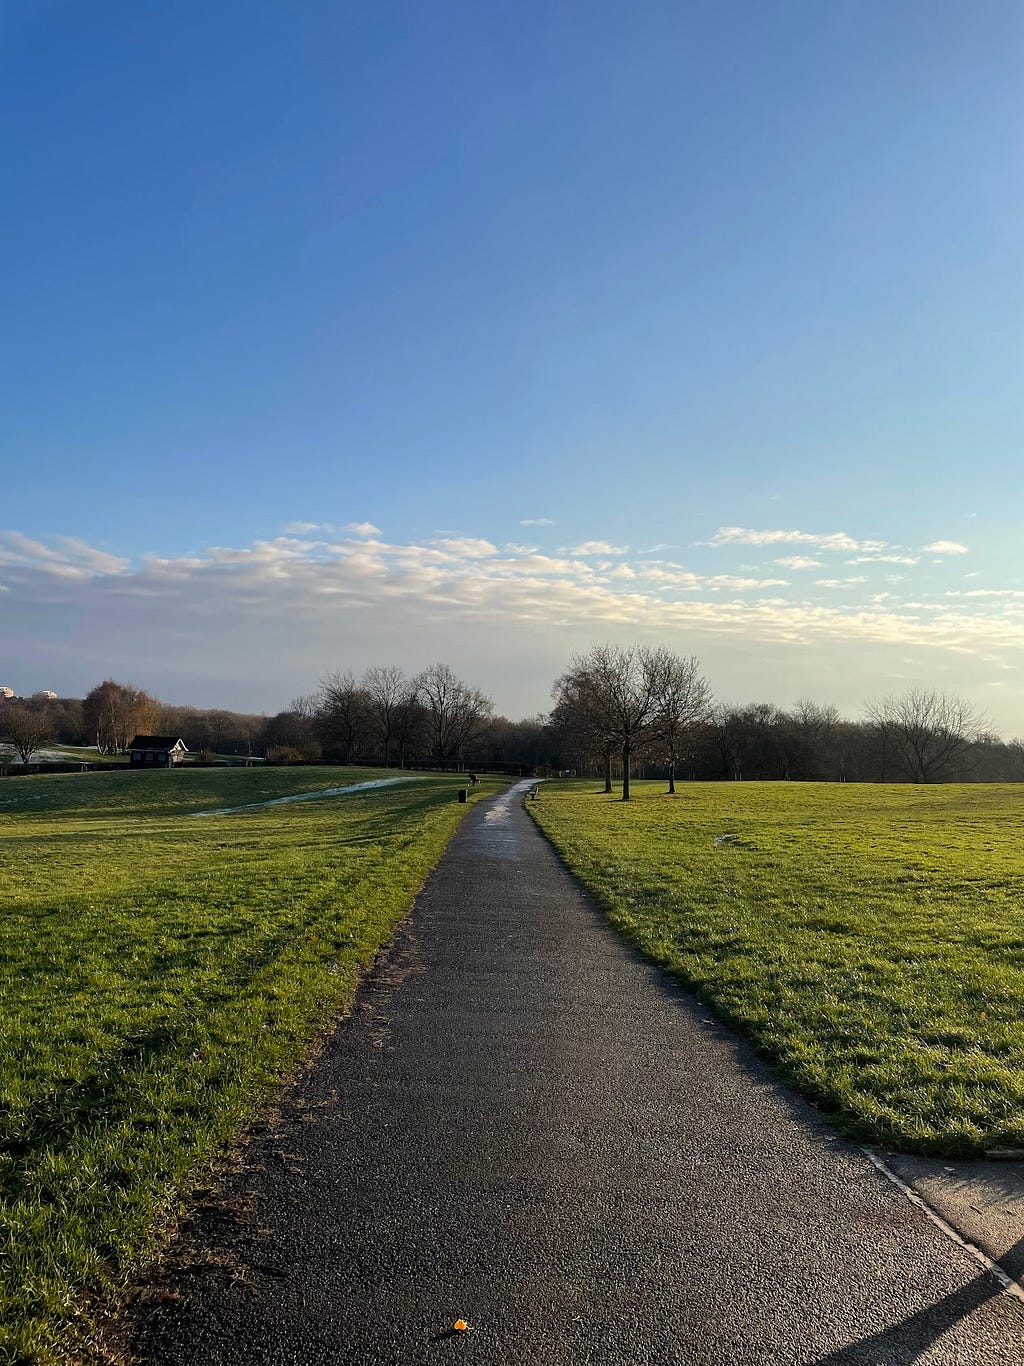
(344, 334)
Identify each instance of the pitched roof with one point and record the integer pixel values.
(157, 742)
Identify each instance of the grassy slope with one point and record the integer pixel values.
(158, 975)
(870, 940)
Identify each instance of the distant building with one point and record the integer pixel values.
(7, 694)
(44, 696)
(156, 751)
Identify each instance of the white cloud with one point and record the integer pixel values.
(985, 593)
(840, 583)
(331, 528)
(465, 547)
(799, 562)
(719, 581)
(599, 548)
(834, 540)
(946, 548)
(537, 521)
(885, 559)
(193, 627)
(64, 556)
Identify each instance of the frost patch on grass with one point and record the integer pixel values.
(306, 796)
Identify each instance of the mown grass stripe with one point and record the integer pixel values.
(159, 976)
(868, 939)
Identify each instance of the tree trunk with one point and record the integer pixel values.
(608, 771)
(672, 776)
(625, 773)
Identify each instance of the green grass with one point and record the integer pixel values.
(159, 975)
(868, 939)
(75, 753)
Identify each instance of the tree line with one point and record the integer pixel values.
(622, 710)
(383, 717)
(617, 713)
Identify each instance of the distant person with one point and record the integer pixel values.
(473, 779)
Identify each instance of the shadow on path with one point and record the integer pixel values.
(905, 1342)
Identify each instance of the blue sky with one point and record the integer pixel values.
(641, 272)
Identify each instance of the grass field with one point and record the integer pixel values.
(869, 940)
(159, 974)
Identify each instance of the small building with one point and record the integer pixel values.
(156, 751)
(7, 694)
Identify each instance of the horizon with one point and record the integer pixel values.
(428, 334)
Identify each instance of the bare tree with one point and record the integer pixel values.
(342, 712)
(815, 719)
(455, 713)
(727, 734)
(683, 701)
(27, 729)
(291, 736)
(582, 717)
(385, 688)
(618, 688)
(926, 731)
(409, 722)
(813, 725)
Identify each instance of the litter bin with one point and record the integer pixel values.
(462, 794)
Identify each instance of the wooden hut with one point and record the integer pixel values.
(156, 751)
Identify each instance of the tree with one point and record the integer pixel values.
(925, 731)
(115, 712)
(342, 712)
(727, 734)
(26, 728)
(814, 725)
(617, 689)
(409, 723)
(582, 719)
(683, 702)
(385, 688)
(291, 735)
(454, 712)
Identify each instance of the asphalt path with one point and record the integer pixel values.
(525, 1126)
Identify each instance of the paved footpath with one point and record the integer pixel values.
(525, 1126)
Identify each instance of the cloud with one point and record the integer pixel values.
(537, 521)
(947, 548)
(64, 556)
(799, 562)
(331, 528)
(466, 547)
(985, 593)
(194, 627)
(599, 548)
(885, 559)
(833, 540)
